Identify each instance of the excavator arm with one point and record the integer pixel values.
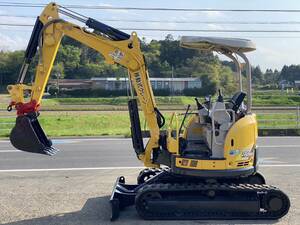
(115, 46)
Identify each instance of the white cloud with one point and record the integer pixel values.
(205, 14)
(274, 53)
(17, 20)
(214, 14)
(215, 26)
(105, 4)
(12, 43)
(114, 11)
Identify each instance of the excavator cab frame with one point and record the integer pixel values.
(230, 47)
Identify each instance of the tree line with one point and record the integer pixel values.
(164, 58)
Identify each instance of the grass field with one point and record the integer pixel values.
(260, 98)
(122, 100)
(102, 116)
(116, 123)
(80, 123)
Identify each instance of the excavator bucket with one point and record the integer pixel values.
(28, 135)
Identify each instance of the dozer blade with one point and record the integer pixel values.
(27, 135)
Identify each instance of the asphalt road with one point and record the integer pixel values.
(73, 187)
(89, 153)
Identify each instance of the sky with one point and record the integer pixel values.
(273, 50)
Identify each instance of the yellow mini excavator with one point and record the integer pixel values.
(204, 166)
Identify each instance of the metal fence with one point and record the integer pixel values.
(278, 117)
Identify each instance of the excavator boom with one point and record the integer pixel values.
(116, 47)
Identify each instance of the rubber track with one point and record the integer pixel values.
(173, 189)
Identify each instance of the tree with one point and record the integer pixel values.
(257, 75)
(171, 52)
(75, 60)
(10, 66)
(290, 73)
(70, 57)
(58, 71)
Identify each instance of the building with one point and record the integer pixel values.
(111, 83)
(71, 84)
(283, 84)
(176, 84)
(297, 83)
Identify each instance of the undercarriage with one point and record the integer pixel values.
(163, 195)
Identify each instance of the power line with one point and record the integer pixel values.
(182, 30)
(182, 21)
(16, 25)
(17, 16)
(24, 4)
(259, 37)
(213, 30)
(209, 22)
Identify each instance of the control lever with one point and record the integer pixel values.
(199, 105)
(185, 115)
(203, 111)
(220, 97)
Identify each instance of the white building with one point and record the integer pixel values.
(111, 83)
(174, 84)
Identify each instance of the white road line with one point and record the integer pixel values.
(279, 165)
(260, 146)
(80, 139)
(129, 139)
(71, 169)
(112, 168)
(266, 137)
(279, 146)
(8, 151)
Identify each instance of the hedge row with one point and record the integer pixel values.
(115, 93)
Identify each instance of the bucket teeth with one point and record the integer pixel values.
(50, 151)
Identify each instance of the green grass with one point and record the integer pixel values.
(116, 123)
(80, 124)
(70, 124)
(286, 120)
(276, 100)
(176, 100)
(99, 104)
(260, 98)
(86, 125)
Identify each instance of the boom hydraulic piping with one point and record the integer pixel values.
(116, 46)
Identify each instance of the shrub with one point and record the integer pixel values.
(198, 91)
(90, 93)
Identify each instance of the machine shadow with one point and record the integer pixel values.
(97, 211)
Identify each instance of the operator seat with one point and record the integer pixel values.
(236, 101)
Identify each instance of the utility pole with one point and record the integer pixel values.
(172, 81)
(57, 81)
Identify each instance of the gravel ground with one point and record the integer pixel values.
(81, 197)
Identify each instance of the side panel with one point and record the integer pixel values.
(240, 142)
